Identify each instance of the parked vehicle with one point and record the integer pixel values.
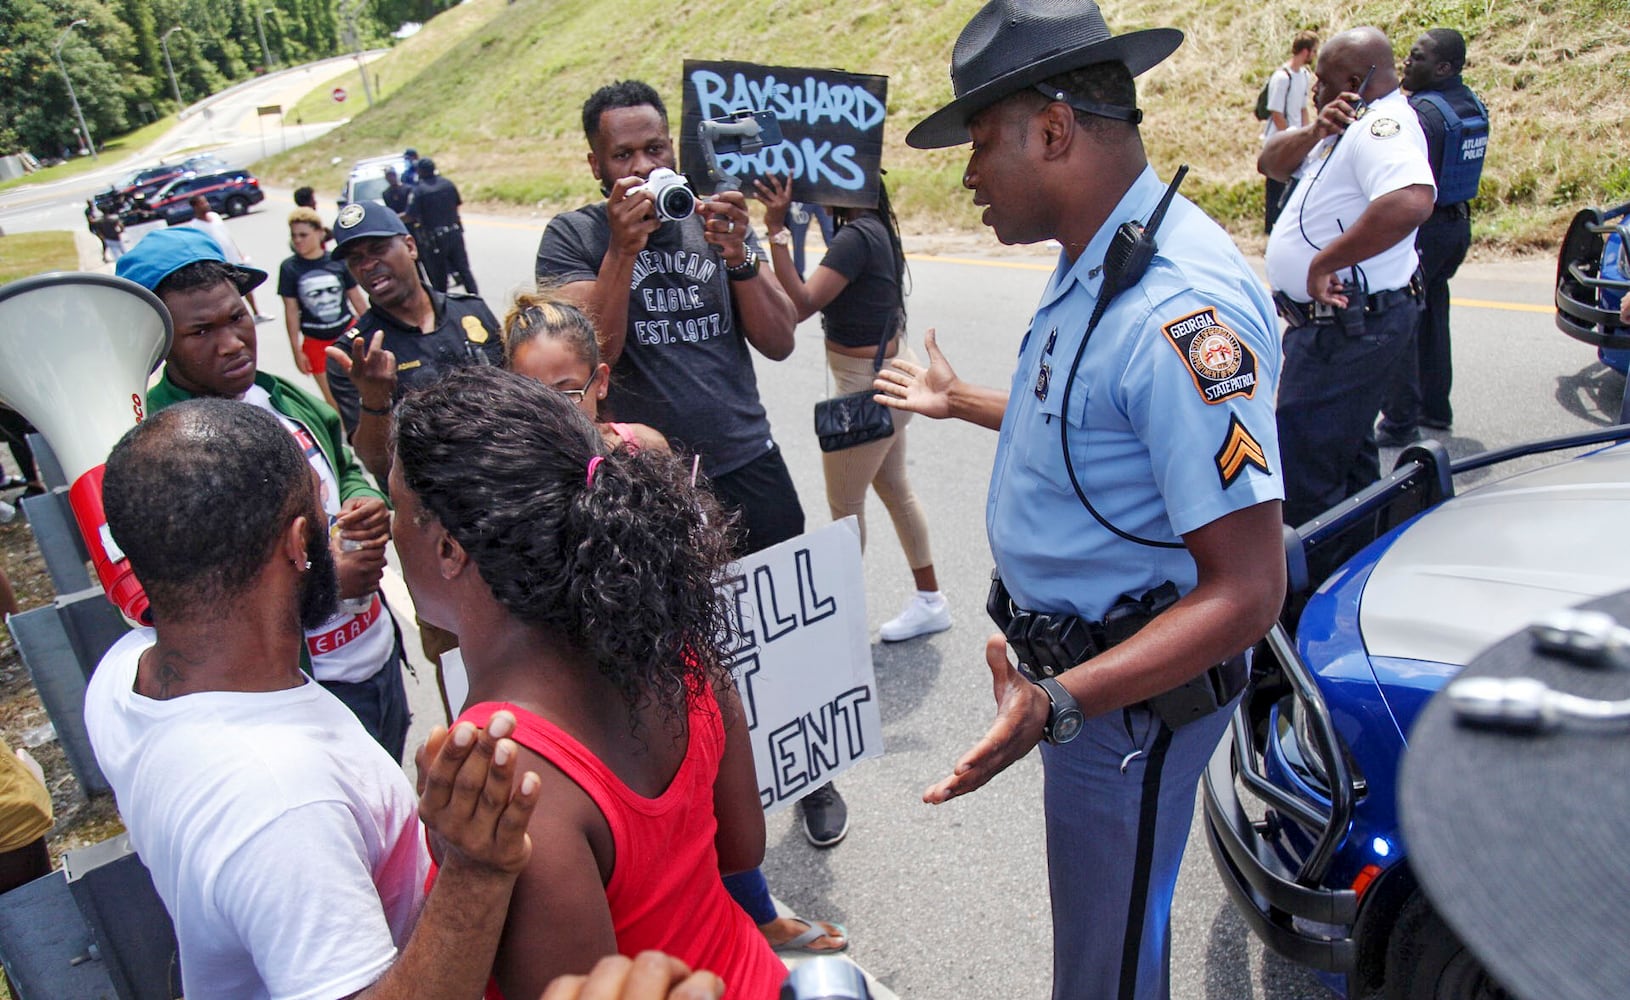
(1393, 592)
(230, 192)
(366, 181)
(128, 197)
(1592, 277)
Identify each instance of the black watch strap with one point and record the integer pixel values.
(1064, 718)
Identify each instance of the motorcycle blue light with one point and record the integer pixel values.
(1380, 846)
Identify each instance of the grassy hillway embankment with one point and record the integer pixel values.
(494, 88)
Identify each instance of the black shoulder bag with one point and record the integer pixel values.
(856, 418)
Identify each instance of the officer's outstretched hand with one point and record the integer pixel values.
(1021, 718)
(372, 369)
(650, 976)
(906, 386)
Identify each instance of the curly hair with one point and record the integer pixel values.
(625, 568)
(544, 314)
(621, 94)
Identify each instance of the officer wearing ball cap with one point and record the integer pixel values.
(410, 334)
(1155, 537)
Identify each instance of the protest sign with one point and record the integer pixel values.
(832, 123)
(803, 661)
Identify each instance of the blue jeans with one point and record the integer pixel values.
(1119, 801)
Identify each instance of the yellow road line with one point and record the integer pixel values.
(1021, 265)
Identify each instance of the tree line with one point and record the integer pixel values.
(116, 59)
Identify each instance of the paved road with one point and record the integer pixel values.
(950, 902)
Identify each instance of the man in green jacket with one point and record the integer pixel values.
(357, 653)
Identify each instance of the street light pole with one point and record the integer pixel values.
(56, 50)
(265, 53)
(263, 14)
(164, 43)
(348, 10)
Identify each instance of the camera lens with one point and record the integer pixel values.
(677, 202)
(826, 978)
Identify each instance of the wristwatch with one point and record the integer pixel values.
(747, 269)
(1064, 718)
(781, 237)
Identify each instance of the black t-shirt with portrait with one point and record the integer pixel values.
(319, 286)
(685, 368)
(869, 306)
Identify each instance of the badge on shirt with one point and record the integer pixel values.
(1219, 362)
(1044, 379)
(1385, 128)
(1239, 452)
(474, 332)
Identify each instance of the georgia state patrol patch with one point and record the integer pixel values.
(1384, 128)
(474, 332)
(349, 216)
(1239, 452)
(1219, 362)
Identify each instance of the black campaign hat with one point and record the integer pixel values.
(1518, 838)
(1012, 44)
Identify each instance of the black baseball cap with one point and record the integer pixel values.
(362, 220)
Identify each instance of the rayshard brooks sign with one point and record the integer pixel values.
(803, 661)
(832, 122)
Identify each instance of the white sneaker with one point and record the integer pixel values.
(922, 616)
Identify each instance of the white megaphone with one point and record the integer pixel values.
(76, 350)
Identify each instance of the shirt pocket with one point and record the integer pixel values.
(1041, 450)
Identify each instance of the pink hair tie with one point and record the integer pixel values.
(594, 463)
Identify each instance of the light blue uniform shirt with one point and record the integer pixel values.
(1171, 423)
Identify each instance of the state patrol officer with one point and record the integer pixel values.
(1342, 264)
(410, 333)
(1134, 505)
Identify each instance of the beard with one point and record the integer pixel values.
(320, 587)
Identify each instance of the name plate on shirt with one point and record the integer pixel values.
(803, 661)
(832, 123)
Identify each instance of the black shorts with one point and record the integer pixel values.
(762, 492)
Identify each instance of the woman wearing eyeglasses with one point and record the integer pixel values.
(554, 342)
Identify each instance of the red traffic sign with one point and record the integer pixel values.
(339, 94)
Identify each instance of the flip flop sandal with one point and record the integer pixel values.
(800, 944)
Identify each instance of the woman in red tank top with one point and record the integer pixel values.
(583, 587)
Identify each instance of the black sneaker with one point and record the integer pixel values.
(1396, 437)
(826, 818)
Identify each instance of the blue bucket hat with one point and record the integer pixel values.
(362, 220)
(165, 251)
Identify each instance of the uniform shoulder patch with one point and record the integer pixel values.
(1220, 363)
(474, 332)
(1239, 451)
(1385, 128)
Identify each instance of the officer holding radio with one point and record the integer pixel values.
(1342, 264)
(1134, 505)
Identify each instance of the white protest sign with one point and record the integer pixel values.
(803, 661)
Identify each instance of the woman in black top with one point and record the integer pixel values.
(859, 290)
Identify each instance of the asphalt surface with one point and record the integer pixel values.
(950, 901)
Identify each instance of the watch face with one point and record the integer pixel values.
(1066, 726)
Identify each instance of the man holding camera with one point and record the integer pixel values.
(677, 300)
(1133, 509)
(1342, 264)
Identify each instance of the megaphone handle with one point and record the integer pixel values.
(112, 568)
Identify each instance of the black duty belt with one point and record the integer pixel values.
(1047, 644)
(1358, 304)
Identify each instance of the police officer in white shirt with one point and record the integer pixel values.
(1342, 263)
